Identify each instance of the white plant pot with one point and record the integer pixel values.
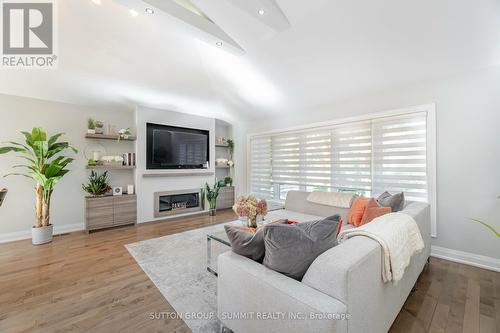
(42, 235)
(91, 131)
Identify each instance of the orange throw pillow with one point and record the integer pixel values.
(372, 211)
(357, 210)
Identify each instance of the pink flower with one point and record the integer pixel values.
(250, 207)
(262, 207)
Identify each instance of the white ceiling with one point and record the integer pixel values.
(333, 49)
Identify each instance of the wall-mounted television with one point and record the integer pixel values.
(170, 147)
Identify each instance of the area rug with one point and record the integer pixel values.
(177, 265)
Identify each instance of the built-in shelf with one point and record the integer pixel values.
(176, 173)
(222, 146)
(222, 167)
(108, 137)
(111, 167)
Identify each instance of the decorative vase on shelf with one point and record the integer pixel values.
(252, 222)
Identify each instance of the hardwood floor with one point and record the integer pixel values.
(87, 283)
(452, 297)
(90, 283)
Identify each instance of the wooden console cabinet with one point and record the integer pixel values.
(226, 197)
(110, 211)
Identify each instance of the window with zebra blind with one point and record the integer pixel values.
(391, 151)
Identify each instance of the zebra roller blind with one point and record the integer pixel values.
(367, 157)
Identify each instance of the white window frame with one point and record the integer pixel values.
(430, 109)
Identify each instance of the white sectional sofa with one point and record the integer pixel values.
(342, 290)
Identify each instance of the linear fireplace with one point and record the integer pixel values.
(177, 202)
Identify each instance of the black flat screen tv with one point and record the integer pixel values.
(170, 147)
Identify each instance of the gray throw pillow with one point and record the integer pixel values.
(291, 249)
(395, 201)
(248, 242)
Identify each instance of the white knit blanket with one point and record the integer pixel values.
(399, 237)
(334, 199)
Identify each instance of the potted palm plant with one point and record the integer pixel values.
(211, 195)
(46, 165)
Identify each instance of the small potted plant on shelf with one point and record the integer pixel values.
(91, 126)
(46, 165)
(228, 181)
(98, 184)
(211, 195)
(230, 145)
(124, 134)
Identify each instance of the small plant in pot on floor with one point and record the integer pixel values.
(211, 195)
(46, 165)
(98, 184)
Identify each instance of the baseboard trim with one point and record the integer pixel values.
(21, 235)
(173, 217)
(467, 258)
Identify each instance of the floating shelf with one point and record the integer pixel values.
(222, 146)
(111, 167)
(108, 137)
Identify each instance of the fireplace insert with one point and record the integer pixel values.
(177, 202)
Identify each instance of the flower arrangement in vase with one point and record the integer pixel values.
(250, 207)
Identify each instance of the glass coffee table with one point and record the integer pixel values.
(222, 242)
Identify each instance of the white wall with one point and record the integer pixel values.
(147, 186)
(21, 114)
(240, 158)
(18, 113)
(468, 150)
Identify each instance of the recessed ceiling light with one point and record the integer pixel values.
(97, 2)
(150, 11)
(261, 12)
(133, 12)
(219, 44)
